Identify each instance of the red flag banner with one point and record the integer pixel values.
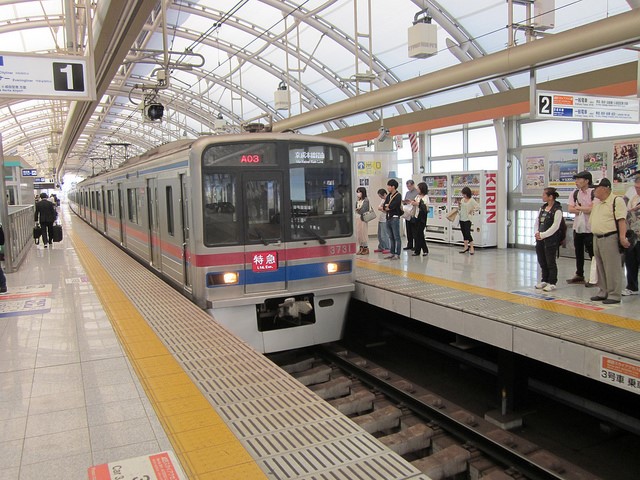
(413, 139)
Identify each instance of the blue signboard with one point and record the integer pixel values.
(29, 172)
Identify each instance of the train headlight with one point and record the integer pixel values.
(215, 279)
(230, 277)
(338, 267)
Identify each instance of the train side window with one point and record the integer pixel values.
(219, 199)
(98, 202)
(110, 202)
(169, 194)
(132, 205)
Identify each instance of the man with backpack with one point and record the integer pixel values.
(580, 204)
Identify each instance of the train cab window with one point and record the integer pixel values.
(319, 182)
(169, 194)
(219, 198)
(262, 200)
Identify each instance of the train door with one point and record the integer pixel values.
(265, 260)
(154, 227)
(121, 215)
(184, 220)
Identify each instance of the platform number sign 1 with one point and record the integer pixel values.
(545, 105)
(68, 77)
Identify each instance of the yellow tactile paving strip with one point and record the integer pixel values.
(207, 449)
(595, 316)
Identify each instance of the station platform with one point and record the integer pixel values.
(101, 362)
(490, 297)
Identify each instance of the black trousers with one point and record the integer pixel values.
(47, 232)
(409, 230)
(418, 237)
(465, 229)
(547, 252)
(632, 262)
(582, 242)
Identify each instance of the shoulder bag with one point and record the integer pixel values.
(368, 215)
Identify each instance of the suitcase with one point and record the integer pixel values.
(37, 233)
(56, 233)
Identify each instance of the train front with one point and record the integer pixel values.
(275, 262)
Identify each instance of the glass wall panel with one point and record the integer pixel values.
(482, 140)
(446, 144)
(603, 130)
(550, 131)
(451, 165)
(483, 163)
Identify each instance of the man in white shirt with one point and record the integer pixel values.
(580, 204)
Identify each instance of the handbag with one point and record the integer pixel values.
(451, 216)
(409, 211)
(368, 216)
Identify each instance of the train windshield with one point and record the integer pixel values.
(245, 198)
(320, 191)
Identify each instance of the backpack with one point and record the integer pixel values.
(562, 233)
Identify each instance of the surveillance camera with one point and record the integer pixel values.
(154, 111)
(383, 134)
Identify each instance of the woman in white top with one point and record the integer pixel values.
(548, 239)
(419, 221)
(362, 229)
(467, 207)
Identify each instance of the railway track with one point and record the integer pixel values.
(441, 439)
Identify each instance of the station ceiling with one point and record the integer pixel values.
(225, 59)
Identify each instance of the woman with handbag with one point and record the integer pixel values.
(362, 229)
(466, 208)
(419, 220)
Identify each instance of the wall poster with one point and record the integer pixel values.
(534, 179)
(563, 165)
(625, 161)
(596, 163)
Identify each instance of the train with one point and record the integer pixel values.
(256, 228)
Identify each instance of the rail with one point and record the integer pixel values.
(18, 235)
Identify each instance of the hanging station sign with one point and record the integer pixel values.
(67, 77)
(577, 106)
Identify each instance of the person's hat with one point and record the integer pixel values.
(43, 195)
(604, 183)
(586, 175)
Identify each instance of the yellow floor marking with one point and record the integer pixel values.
(573, 311)
(207, 449)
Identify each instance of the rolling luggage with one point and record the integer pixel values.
(37, 233)
(56, 233)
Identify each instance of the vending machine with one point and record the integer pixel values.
(484, 188)
(438, 227)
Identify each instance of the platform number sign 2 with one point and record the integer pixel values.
(68, 77)
(545, 105)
